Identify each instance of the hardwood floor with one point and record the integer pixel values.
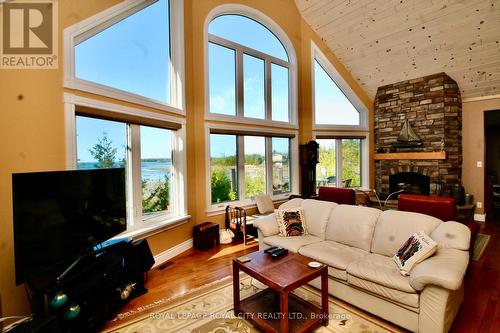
(480, 311)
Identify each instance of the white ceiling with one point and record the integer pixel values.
(386, 41)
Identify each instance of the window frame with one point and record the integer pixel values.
(135, 226)
(317, 55)
(102, 20)
(251, 13)
(364, 152)
(242, 201)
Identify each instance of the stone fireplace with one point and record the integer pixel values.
(429, 107)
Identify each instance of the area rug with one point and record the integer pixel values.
(480, 244)
(211, 311)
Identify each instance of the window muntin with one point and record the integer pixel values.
(132, 55)
(237, 28)
(331, 106)
(223, 168)
(222, 79)
(259, 164)
(339, 162)
(253, 63)
(104, 143)
(254, 87)
(255, 165)
(281, 165)
(156, 170)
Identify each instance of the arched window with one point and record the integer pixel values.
(251, 81)
(249, 70)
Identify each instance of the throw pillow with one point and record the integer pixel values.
(291, 222)
(264, 203)
(416, 249)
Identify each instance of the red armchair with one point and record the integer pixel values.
(339, 195)
(440, 207)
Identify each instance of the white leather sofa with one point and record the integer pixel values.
(357, 243)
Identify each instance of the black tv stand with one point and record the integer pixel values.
(94, 286)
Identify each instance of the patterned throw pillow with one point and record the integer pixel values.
(416, 249)
(291, 222)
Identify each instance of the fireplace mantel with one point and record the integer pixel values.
(433, 155)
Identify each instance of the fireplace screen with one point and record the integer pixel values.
(410, 182)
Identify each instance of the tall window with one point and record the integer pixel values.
(249, 70)
(146, 153)
(339, 162)
(243, 166)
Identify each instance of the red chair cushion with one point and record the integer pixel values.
(441, 207)
(339, 195)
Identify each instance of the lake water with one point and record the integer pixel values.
(150, 170)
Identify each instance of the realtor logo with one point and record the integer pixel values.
(29, 34)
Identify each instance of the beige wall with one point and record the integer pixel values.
(32, 119)
(473, 146)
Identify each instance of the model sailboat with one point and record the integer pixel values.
(407, 137)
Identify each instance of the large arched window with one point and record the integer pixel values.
(249, 71)
(250, 81)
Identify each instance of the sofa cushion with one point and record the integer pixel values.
(452, 235)
(264, 203)
(333, 254)
(291, 243)
(381, 270)
(409, 299)
(267, 225)
(295, 202)
(395, 227)
(352, 225)
(317, 214)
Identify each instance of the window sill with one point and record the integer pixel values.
(145, 229)
(215, 211)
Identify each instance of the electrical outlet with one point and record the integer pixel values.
(479, 164)
(479, 204)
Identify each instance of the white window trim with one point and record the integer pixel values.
(365, 154)
(213, 209)
(179, 188)
(317, 55)
(106, 18)
(236, 9)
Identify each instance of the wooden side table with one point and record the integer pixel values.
(205, 236)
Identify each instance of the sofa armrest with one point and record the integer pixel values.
(445, 269)
(267, 225)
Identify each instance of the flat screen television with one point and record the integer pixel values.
(61, 215)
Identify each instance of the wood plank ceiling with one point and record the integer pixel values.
(386, 41)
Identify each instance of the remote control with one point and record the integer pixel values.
(271, 249)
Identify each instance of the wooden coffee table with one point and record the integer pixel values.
(275, 309)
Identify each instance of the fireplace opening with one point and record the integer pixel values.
(410, 182)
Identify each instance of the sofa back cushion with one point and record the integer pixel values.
(394, 227)
(317, 214)
(352, 225)
(295, 202)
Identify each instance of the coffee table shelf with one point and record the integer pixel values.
(260, 309)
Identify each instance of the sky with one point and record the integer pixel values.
(133, 55)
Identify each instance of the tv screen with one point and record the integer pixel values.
(61, 215)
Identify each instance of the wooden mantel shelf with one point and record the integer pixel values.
(432, 155)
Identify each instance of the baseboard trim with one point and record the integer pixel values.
(480, 217)
(172, 252)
